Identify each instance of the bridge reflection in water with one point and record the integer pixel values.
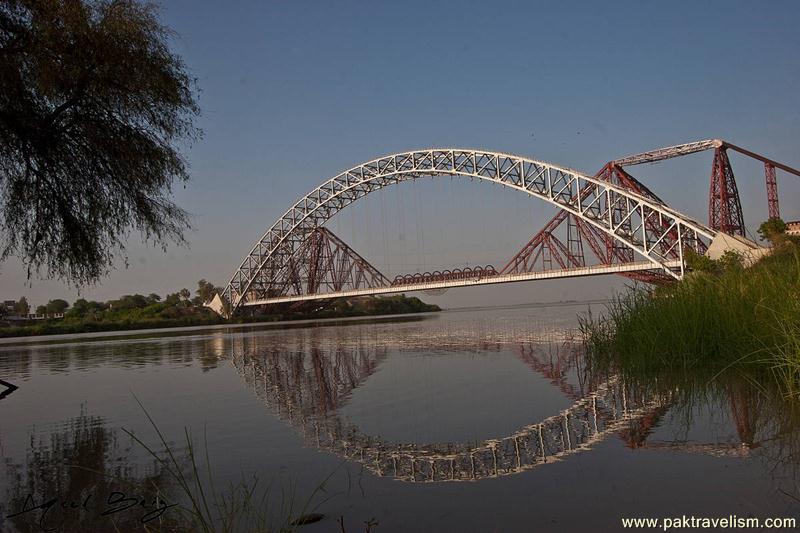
(306, 381)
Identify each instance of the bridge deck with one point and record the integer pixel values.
(490, 280)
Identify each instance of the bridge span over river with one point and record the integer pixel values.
(606, 223)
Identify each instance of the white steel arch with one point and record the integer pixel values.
(642, 224)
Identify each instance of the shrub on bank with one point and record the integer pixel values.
(722, 316)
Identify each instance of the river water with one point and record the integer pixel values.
(465, 420)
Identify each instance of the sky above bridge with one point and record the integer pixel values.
(294, 92)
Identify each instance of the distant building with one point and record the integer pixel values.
(793, 227)
(34, 316)
(9, 305)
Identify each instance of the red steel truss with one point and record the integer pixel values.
(546, 247)
(724, 206)
(324, 263)
(772, 190)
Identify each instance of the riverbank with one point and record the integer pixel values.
(200, 316)
(720, 317)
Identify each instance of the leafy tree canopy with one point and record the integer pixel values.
(772, 230)
(82, 307)
(205, 291)
(57, 306)
(130, 301)
(93, 107)
(22, 308)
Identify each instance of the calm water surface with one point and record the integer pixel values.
(479, 420)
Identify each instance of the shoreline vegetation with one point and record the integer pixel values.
(136, 312)
(722, 318)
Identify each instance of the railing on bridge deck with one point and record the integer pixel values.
(455, 274)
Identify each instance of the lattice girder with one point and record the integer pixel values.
(538, 253)
(724, 205)
(322, 264)
(556, 185)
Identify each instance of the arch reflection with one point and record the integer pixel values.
(306, 379)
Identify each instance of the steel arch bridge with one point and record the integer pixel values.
(298, 260)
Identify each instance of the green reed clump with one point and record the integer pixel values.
(722, 317)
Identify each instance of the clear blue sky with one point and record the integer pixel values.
(293, 92)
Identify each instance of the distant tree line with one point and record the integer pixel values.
(180, 309)
(174, 305)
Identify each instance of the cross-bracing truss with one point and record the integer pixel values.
(546, 250)
(322, 264)
(647, 227)
(724, 205)
(565, 240)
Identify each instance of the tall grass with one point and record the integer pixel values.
(712, 321)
